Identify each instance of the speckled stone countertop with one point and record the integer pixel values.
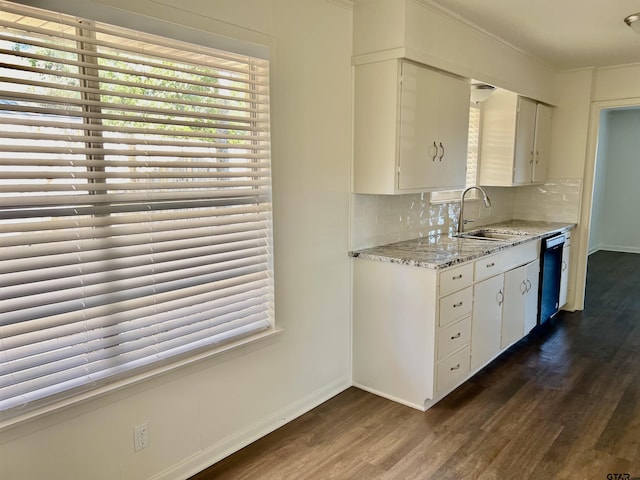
(442, 251)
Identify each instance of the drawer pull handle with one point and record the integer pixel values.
(456, 305)
(492, 264)
(457, 335)
(456, 277)
(455, 368)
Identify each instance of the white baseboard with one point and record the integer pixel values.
(393, 398)
(620, 248)
(229, 445)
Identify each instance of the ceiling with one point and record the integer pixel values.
(567, 34)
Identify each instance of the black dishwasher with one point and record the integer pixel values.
(550, 271)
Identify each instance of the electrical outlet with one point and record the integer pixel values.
(140, 437)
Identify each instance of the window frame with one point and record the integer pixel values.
(58, 401)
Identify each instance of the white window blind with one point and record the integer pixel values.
(472, 146)
(135, 214)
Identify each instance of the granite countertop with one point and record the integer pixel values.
(442, 251)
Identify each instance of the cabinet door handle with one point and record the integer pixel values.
(523, 287)
(455, 367)
(442, 154)
(457, 335)
(529, 285)
(435, 151)
(456, 277)
(456, 305)
(564, 266)
(531, 161)
(500, 297)
(537, 156)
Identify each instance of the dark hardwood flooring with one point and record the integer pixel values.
(562, 404)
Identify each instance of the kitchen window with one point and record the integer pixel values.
(135, 205)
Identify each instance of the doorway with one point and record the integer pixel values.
(592, 219)
(616, 193)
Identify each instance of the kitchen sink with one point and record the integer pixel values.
(487, 235)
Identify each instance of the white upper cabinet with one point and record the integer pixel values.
(410, 128)
(515, 137)
(524, 140)
(542, 143)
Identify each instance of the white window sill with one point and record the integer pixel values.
(18, 420)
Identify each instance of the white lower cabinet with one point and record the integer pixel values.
(453, 370)
(453, 337)
(564, 273)
(394, 331)
(531, 298)
(488, 297)
(515, 290)
(520, 309)
(418, 333)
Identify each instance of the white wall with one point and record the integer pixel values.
(204, 411)
(616, 83)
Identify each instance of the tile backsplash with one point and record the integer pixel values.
(382, 219)
(555, 201)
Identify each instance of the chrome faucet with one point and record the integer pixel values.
(485, 199)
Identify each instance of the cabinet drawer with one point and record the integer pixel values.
(488, 267)
(520, 255)
(455, 306)
(456, 278)
(452, 369)
(454, 337)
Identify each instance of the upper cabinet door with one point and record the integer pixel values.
(515, 136)
(410, 128)
(525, 132)
(542, 143)
(434, 124)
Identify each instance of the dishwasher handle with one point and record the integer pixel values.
(554, 242)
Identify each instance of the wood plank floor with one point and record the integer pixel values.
(563, 404)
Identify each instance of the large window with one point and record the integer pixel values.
(135, 214)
